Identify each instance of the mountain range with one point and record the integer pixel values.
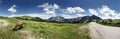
(62, 19)
(75, 20)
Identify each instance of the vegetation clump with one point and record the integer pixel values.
(110, 22)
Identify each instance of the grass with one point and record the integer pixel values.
(114, 23)
(8, 33)
(45, 30)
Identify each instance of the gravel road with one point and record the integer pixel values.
(98, 31)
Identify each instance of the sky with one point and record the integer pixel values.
(106, 9)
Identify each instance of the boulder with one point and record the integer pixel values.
(18, 26)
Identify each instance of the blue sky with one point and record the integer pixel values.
(67, 8)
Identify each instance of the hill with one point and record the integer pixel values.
(29, 18)
(110, 22)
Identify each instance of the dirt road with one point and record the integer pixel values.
(98, 31)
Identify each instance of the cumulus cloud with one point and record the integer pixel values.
(93, 11)
(105, 9)
(52, 8)
(106, 12)
(12, 9)
(49, 8)
(74, 10)
(42, 15)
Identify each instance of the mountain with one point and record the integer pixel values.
(76, 20)
(57, 18)
(90, 18)
(62, 19)
(94, 17)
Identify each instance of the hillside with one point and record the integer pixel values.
(114, 23)
(42, 30)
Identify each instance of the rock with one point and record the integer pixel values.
(18, 26)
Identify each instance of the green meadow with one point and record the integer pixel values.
(44, 30)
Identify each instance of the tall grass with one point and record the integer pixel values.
(45, 30)
(8, 33)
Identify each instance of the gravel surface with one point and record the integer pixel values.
(98, 31)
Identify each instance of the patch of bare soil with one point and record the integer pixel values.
(3, 23)
(27, 34)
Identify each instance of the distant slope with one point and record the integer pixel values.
(114, 22)
(29, 18)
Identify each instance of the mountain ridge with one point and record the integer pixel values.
(75, 20)
(62, 19)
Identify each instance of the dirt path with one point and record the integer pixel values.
(98, 31)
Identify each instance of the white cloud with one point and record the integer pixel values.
(52, 8)
(80, 15)
(105, 9)
(42, 15)
(106, 13)
(93, 11)
(12, 9)
(68, 16)
(74, 10)
(49, 8)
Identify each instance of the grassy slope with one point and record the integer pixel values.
(114, 23)
(46, 30)
(7, 32)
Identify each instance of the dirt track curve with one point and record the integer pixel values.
(98, 31)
